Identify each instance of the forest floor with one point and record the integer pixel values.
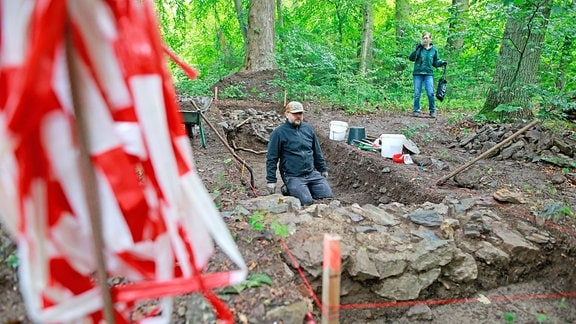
(543, 297)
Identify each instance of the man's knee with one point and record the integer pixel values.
(304, 196)
(305, 201)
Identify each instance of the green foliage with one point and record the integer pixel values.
(253, 280)
(257, 220)
(261, 220)
(541, 317)
(410, 130)
(13, 261)
(562, 303)
(554, 104)
(509, 317)
(234, 92)
(555, 212)
(8, 255)
(317, 51)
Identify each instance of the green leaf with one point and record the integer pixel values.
(541, 317)
(509, 317)
(236, 289)
(13, 261)
(262, 278)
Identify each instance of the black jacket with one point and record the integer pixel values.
(298, 150)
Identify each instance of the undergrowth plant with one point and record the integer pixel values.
(253, 280)
(410, 130)
(261, 220)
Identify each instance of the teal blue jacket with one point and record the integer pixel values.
(425, 60)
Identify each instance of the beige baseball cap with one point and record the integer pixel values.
(294, 107)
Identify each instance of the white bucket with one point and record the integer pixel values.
(338, 130)
(391, 144)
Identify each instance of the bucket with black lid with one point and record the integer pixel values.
(356, 134)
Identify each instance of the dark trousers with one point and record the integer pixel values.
(308, 188)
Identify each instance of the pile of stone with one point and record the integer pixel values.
(397, 252)
(536, 144)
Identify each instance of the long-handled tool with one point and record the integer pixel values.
(244, 164)
(481, 156)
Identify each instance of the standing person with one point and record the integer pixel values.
(425, 56)
(302, 166)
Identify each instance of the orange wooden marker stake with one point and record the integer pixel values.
(331, 280)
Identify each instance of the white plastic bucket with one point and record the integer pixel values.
(391, 144)
(338, 130)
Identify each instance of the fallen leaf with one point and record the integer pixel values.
(483, 299)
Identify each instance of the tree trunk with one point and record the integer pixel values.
(367, 36)
(240, 17)
(402, 19)
(402, 12)
(518, 62)
(260, 45)
(456, 28)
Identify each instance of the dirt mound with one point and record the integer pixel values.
(259, 85)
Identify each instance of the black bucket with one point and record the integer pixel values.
(355, 135)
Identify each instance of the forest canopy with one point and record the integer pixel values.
(504, 57)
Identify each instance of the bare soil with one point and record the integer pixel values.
(362, 177)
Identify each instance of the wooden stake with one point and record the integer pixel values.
(481, 156)
(89, 179)
(285, 98)
(331, 280)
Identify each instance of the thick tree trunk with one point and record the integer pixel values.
(402, 12)
(260, 45)
(456, 27)
(518, 62)
(367, 36)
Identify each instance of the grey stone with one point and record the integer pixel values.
(389, 265)
(432, 254)
(515, 245)
(275, 203)
(505, 195)
(290, 314)
(361, 267)
(492, 255)
(424, 233)
(469, 178)
(406, 287)
(558, 179)
(375, 214)
(420, 313)
(467, 138)
(426, 217)
(462, 269)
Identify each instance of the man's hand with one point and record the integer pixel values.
(445, 63)
(325, 174)
(271, 188)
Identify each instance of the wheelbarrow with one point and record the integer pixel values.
(192, 109)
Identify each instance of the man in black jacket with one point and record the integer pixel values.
(302, 166)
